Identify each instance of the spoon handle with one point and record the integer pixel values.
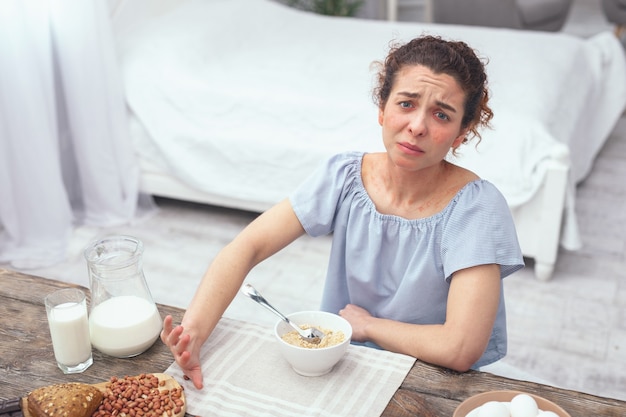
(251, 292)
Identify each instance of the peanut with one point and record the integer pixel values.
(139, 396)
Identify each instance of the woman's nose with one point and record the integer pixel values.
(417, 124)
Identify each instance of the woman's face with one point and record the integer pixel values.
(422, 118)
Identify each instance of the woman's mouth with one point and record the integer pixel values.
(411, 149)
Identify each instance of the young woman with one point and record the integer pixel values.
(420, 245)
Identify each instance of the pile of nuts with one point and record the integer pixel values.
(140, 396)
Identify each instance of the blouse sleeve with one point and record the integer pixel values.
(479, 231)
(317, 199)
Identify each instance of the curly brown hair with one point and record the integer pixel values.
(454, 58)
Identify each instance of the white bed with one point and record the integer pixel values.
(235, 102)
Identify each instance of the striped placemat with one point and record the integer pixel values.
(245, 375)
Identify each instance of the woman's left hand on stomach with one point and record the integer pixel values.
(358, 318)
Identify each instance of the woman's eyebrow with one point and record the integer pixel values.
(441, 104)
(446, 106)
(409, 95)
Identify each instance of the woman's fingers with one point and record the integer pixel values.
(167, 328)
(179, 345)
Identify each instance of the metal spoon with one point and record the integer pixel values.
(311, 335)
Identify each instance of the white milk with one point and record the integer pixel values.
(124, 326)
(69, 330)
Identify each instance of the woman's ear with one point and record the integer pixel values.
(381, 116)
(460, 139)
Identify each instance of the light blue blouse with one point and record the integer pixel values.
(401, 269)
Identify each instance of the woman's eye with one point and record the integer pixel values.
(442, 115)
(405, 104)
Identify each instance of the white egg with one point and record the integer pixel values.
(473, 413)
(493, 409)
(547, 414)
(523, 405)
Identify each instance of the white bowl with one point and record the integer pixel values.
(467, 406)
(319, 361)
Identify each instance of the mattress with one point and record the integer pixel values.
(243, 99)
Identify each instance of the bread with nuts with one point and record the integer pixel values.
(64, 400)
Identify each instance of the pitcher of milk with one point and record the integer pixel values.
(123, 320)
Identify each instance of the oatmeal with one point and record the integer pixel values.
(331, 338)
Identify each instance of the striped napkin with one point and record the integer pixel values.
(245, 375)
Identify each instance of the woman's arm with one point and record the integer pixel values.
(456, 344)
(266, 235)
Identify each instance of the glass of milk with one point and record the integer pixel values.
(123, 319)
(69, 329)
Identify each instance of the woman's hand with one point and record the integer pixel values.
(358, 318)
(459, 342)
(186, 350)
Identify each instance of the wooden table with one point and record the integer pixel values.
(27, 362)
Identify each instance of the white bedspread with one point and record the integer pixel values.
(243, 98)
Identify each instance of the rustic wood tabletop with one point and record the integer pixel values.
(27, 362)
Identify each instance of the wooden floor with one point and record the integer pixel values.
(570, 331)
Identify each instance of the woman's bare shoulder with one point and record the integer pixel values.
(462, 175)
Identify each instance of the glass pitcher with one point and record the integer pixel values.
(123, 318)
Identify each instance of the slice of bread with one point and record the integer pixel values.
(64, 400)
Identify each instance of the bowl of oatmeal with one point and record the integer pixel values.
(309, 359)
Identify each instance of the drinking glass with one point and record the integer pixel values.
(66, 310)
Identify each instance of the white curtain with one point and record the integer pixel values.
(65, 152)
